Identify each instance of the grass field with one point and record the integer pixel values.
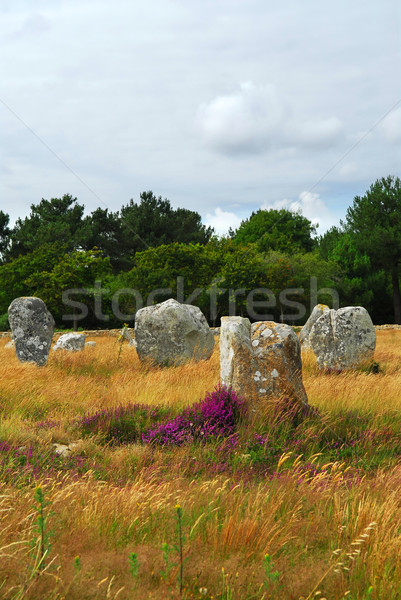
(274, 506)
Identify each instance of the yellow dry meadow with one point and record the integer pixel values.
(324, 536)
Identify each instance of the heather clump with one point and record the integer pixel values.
(23, 465)
(215, 416)
(123, 424)
(48, 424)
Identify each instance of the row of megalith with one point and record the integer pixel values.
(259, 360)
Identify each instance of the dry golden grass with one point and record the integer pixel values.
(77, 383)
(225, 526)
(317, 528)
(357, 390)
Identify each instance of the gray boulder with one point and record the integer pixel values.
(316, 313)
(343, 338)
(32, 328)
(72, 342)
(171, 333)
(261, 361)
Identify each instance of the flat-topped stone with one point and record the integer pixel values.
(262, 360)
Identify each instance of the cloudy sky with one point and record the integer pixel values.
(222, 106)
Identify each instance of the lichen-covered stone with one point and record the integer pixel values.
(316, 313)
(343, 338)
(32, 328)
(72, 342)
(235, 352)
(262, 360)
(171, 333)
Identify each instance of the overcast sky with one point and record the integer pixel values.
(222, 106)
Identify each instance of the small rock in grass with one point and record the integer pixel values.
(72, 342)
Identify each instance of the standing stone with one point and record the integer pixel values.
(125, 335)
(262, 360)
(316, 313)
(72, 342)
(171, 333)
(343, 338)
(32, 328)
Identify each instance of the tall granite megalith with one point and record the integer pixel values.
(262, 360)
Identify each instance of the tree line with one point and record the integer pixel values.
(97, 270)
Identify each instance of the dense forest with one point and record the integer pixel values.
(95, 271)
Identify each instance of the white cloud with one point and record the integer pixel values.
(222, 220)
(311, 206)
(255, 119)
(391, 127)
(318, 132)
(243, 122)
(114, 91)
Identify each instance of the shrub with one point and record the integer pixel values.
(124, 424)
(4, 324)
(216, 415)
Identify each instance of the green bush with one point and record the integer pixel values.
(4, 324)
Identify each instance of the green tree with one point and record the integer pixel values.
(253, 283)
(327, 242)
(103, 230)
(49, 222)
(181, 271)
(15, 275)
(360, 284)
(374, 221)
(5, 233)
(68, 288)
(153, 222)
(356, 281)
(312, 274)
(280, 230)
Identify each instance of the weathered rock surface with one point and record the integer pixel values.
(32, 328)
(316, 313)
(125, 335)
(171, 333)
(66, 449)
(73, 342)
(90, 344)
(343, 338)
(261, 360)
